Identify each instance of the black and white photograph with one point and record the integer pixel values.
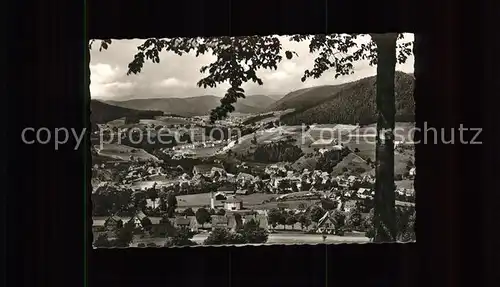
(254, 140)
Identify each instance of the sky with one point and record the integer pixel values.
(176, 76)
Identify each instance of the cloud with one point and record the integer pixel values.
(177, 76)
(278, 76)
(172, 82)
(102, 73)
(105, 81)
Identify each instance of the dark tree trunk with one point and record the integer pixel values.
(384, 201)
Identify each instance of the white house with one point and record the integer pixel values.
(233, 203)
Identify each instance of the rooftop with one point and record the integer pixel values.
(206, 168)
(234, 200)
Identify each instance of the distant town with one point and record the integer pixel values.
(266, 184)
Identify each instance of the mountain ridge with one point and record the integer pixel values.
(102, 112)
(195, 106)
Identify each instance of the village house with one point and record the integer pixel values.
(233, 203)
(113, 223)
(245, 176)
(351, 179)
(206, 169)
(138, 218)
(326, 224)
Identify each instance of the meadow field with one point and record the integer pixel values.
(123, 152)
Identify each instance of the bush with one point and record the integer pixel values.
(182, 237)
(146, 223)
(315, 213)
(102, 241)
(253, 233)
(222, 236)
(354, 221)
(203, 216)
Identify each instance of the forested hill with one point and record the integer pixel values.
(102, 113)
(355, 103)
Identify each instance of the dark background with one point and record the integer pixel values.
(43, 188)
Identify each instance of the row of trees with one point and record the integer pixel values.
(250, 232)
(247, 233)
(311, 216)
(281, 151)
(126, 202)
(330, 159)
(123, 237)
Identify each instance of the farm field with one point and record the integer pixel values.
(166, 120)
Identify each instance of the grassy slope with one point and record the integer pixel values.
(123, 152)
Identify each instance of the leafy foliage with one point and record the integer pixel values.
(102, 241)
(222, 236)
(146, 223)
(253, 233)
(354, 220)
(274, 217)
(182, 237)
(329, 160)
(316, 213)
(304, 221)
(281, 151)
